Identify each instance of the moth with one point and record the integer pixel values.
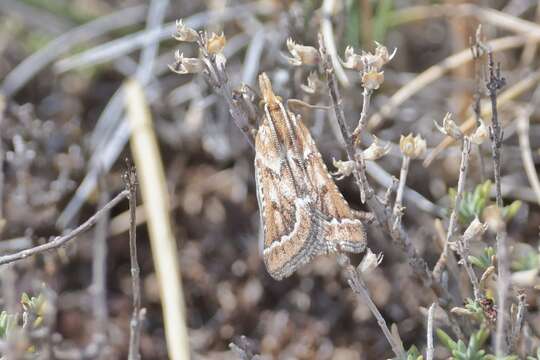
(302, 212)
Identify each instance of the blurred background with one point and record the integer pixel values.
(64, 135)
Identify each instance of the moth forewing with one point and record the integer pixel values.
(303, 214)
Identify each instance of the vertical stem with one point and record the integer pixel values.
(398, 205)
(135, 333)
(429, 351)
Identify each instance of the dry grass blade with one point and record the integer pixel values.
(156, 202)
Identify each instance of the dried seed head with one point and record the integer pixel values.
(353, 61)
(481, 134)
(449, 127)
(184, 33)
(216, 43)
(372, 79)
(314, 84)
(413, 147)
(367, 62)
(375, 150)
(370, 262)
(184, 65)
(476, 228)
(344, 168)
(302, 54)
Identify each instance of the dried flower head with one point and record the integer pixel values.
(344, 168)
(184, 65)
(476, 228)
(481, 134)
(314, 84)
(449, 127)
(216, 43)
(353, 61)
(184, 33)
(302, 54)
(375, 150)
(370, 262)
(366, 62)
(372, 79)
(413, 147)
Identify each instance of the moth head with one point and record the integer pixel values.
(268, 96)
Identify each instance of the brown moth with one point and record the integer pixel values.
(303, 214)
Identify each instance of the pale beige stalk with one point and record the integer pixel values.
(156, 203)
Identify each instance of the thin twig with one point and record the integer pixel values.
(462, 246)
(468, 125)
(144, 147)
(398, 204)
(357, 284)
(429, 351)
(518, 322)
(382, 212)
(422, 80)
(59, 241)
(523, 120)
(366, 96)
(494, 84)
(130, 178)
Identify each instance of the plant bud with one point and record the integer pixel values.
(413, 147)
(372, 79)
(481, 134)
(184, 33)
(344, 168)
(449, 127)
(369, 262)
(375, 150)
(301, 54)
(184, 65)
(353, 61)
(476, 228)
(216, 43)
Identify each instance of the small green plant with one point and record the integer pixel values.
(414, 354)
(484, 260)
(461, 351)
(7, 322)
(473, 203)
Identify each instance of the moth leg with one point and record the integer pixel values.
(365, 216)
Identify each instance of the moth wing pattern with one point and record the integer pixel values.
(342, 230)
(289, 227)
(302, 212)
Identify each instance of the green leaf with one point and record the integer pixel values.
(446, 340)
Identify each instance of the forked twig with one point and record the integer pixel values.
(59, 241)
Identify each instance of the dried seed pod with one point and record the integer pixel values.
(302, 54)
(449, 127)
(375, 150)
(184, 65)
(184, 33)
(216, 43)
(413, 147)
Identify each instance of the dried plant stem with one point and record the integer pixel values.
(494, 84)
(526, 154)
(357, 284)
(366, 94)
(156, 202)
(436, 71)
(504, 98)
(62, 240)
(462, 246)
(398, 205)
(382, 212)
(518, 322)
(429, 351)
